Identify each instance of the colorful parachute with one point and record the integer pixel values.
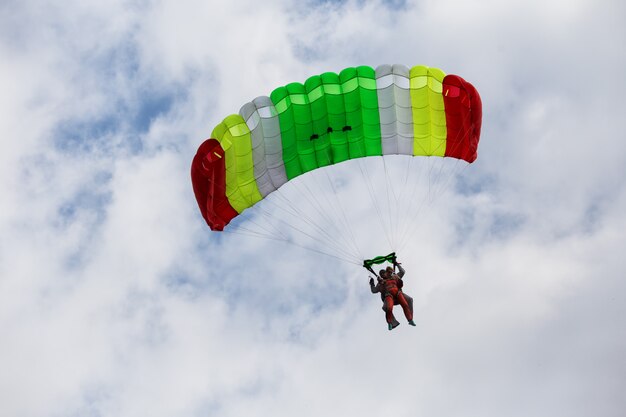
(329, 119)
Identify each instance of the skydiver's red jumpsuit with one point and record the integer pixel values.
(390, 291)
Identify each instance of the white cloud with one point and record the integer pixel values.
(116, 300)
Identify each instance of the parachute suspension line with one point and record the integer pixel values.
(299, 214)
(314, 238)
(249, 232)
(315, 203)
(343, 213)
(347, 260)
(324, 213)
(445, 178)
(431, 164)
(455, 171)
(444, 175)
(343, 227)
(262, 231)
(370, 189)
(346, 230)
(415, 203)
(279, 235)
(442, 180)
(410, 213)
(387, 187)
(273, 232)
(330, 178)
(415, 175)
(325, 240)
(409, 164)
(268, 230)
(441, 185)
(399, 197)
(267, 215)
(418, 203)
(402, 200)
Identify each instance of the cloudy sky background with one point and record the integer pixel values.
(116, 300)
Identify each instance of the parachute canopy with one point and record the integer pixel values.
(329, 119)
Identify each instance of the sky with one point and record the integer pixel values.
(117, 300)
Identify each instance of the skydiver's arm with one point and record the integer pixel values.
(374, 288)
(400, 270)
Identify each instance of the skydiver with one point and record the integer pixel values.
(389, 286)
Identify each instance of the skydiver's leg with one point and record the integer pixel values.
(408, 311)
(409, 300)
(388, 307)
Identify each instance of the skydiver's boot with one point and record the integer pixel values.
(395, 323)
(411, 322)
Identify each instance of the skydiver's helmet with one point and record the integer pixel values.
(382, 273)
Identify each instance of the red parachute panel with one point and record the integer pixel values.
(463, 118)
(208, 177)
